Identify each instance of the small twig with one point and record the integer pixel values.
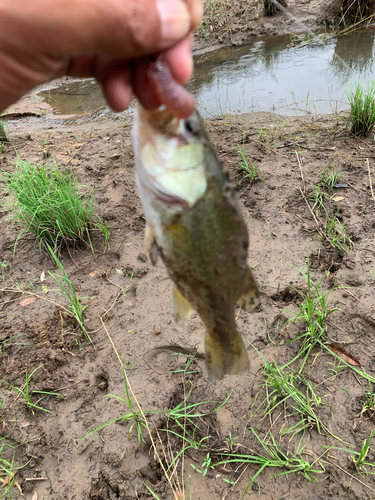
(359, 139)
(132, 192)
(139, 407)
(369, 176)
(353, 477)
(351, 185)
(307, 203)
(322, 235)
(300, 168)
(270, 416)
(239, 312)
(347, 289)
(68, 352)
(234, 485)
(18, 395)
(70, 255)
(18, 290)
(113, 305)
(37, 479)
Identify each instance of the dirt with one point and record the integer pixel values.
(132, 298)
(129, 308)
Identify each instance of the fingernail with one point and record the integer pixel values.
(174, 20)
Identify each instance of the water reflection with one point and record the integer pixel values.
(358, 53)
(268, 75)
(276, 75)
(76, 98)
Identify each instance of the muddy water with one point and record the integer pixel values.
(283, 76)
(277, 74)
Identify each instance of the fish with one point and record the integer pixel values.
(194, 224)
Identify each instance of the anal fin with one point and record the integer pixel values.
(151, 245)
(180, 306)
(249, 299)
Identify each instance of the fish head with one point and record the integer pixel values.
(170, 157)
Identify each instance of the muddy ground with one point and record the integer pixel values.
(133, 300)
(240, 21)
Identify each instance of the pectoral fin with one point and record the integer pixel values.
(180, 306)
(151, 245)
(249, 299)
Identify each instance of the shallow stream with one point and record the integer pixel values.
(280, 74)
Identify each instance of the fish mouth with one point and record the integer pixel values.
(151, 124)
(159, 118)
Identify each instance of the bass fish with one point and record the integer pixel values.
(194, 224)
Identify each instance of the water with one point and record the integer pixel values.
(78, 98)
(275, 74)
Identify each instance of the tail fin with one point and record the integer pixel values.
(228, 357)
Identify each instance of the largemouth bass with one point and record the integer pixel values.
(194, 224)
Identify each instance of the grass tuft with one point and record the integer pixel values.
(314, 311)
(74, 307)
(329, 179)
(359, 458)
(354, 11)
(49, 204)
(27, 394)
(3, 134)
(335, 232)
(331, 229)
(362, 109)
(250, 172)
(275, 456)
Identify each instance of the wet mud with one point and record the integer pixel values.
(56, 455)
(128, 303)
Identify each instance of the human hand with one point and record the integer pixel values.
(46, 39)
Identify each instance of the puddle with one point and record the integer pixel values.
(269, 75)
(274, 75)
(77, 98)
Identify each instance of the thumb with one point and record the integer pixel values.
(117, 28)
(133, 28)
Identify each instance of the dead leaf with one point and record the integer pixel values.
(67, 377)
(94, 272)
(25, 424)
(35, 496)
(119, 271)
(338, 198)
(27, 301)
(8, 478)
(43, 276)
(348, 358)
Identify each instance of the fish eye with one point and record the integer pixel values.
(192, 126)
